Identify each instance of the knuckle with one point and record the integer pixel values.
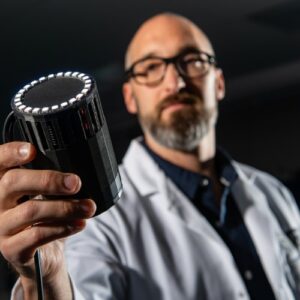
(5, 249)
(37, 235)
(8, 149)
(29, 210)
(14, 252)
(9, 155)
(5, 149)
(67, 209)
(47, 179)
(8, 179)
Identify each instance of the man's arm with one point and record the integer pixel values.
(27, 226)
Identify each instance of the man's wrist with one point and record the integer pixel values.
(29, 288)
(56, 289)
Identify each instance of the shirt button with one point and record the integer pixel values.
(205, 182)
(248, 275)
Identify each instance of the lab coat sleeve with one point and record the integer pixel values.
(94, 264)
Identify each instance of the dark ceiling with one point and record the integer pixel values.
(257, 44)
(40, 36)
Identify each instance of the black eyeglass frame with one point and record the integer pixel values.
(211, 59)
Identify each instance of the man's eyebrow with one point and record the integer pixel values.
(154, 54)
(189, 48)
(183, 49)
(149, 55)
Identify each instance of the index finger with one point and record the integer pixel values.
(15, 154)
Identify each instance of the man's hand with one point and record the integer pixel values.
(36, 223)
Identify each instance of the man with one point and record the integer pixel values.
(192, 223)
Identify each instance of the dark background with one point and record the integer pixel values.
(257, 44)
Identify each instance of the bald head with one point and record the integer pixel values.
(155, 32)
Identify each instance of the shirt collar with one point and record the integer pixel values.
(189, 182)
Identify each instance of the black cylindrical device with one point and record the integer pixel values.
(61, 115)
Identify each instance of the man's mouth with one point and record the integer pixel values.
(175, 106)
(177, 102)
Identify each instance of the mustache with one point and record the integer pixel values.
(179, 98)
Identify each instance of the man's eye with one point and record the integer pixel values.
(153, 67)
(195, 62)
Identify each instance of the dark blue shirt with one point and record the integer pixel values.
(225, 218)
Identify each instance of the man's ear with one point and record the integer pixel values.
(129, 98)
(220, 85)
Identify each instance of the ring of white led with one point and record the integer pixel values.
(36, 110)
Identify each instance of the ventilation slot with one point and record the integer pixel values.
(41, 136)
(98, 112)
(93, 116)
(52, 135)
(85, 123)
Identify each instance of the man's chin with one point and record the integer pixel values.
(181, 139)
(175, 144)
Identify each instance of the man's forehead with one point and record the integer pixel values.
(165, 35)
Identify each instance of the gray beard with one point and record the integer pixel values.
(185, 129)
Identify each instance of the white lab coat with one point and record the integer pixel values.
(154, 244)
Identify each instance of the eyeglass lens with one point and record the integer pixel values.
(152, 70)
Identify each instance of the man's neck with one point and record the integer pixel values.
(199, 161)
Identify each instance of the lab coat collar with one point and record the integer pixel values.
(135, 162)
(153, 185)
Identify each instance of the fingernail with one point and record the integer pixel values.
(71, 182)
(24, 150)
(88, 207)
(77, 224)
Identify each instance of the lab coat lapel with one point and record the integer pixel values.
(186, 211)
(260, 224)
(145, 175)
(149, 179)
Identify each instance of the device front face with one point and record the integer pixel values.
(62, 116)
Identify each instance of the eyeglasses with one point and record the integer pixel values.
(151, 70)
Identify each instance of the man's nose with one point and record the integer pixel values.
(173, 81)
